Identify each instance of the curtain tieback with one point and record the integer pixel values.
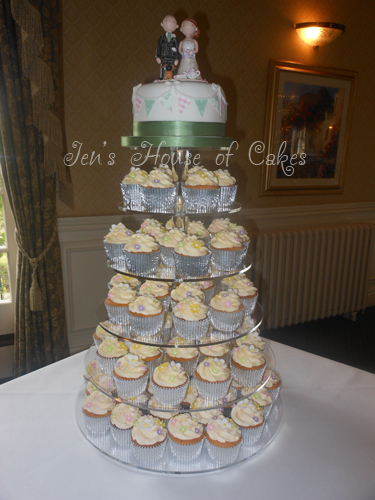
(36, 301)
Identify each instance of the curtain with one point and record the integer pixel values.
(40, 336)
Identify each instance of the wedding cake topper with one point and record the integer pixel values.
(188, 48)
(167, 49)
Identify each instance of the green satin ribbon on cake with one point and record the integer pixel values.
(178, 129)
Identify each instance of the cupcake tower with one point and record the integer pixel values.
(179, 368)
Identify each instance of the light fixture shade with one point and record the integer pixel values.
(318, 34)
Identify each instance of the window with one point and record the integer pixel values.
(8, 256)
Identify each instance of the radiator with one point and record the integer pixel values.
(312, 273)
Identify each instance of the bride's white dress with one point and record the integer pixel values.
(188, 59)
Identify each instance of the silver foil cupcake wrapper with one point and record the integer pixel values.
(275, 393)
(114, 251)
(186, 452)
(189, 365)
(227, 260)
(98, 425)
(247, 377)
(146, 325)
(251, 435)
(170, 396)
(191, 330)
(249, 305)
(227, 197)
(142, 263)
(148, 455)
(211, 391)
(121, 436)
(106, 364)
(200, 200)
(167, 256)
(151, 365)
(192, 267)
(223, 456)
(118, 314)
(131, 388)
(131, 196)
(160, 200)
(267, 410)
(97, 342)
(208, 294)
(165, 302)
(226, 321)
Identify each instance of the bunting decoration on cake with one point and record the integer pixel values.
(183, 103)
(166, 101)
(201, 105)
(214, 100)
(138, 104)
(149, 103)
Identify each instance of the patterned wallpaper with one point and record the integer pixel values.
(109, 47)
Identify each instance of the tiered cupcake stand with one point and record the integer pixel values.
(168, 463)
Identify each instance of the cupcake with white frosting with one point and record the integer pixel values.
(158, 289)
(212, 378)
(198, 229)
(218, 225)
(187, 356)
(201, 191)
(192, 257)
(109, 352)
(101, 381)
(252, 338)
(220, 351)
(130, 375)
(96, 410)
(169, 383)
(130, 188)
(126, 280)
(123, 417)
(227, 251)
(224, 439)
(191, 319)
(100, 333)
(199, 410)
(149, 354)
(273, 383)
(186, 290)
(117, 303)
(226, 283)
(228, 189)
(247, 292)
(208, 287)
(262, 397)
(142, 254)
(91, 369)
(227, 311)
(115, 240)
(185, 437)
(226, 401)
(164, 415)
(250, 419)
(241, 233)
(248, 365)
(167, 242)
(149, 439)
(146, 315)
(158, 191)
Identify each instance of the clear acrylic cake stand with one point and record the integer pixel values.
(169, 464)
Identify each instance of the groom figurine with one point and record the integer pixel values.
(167, 49)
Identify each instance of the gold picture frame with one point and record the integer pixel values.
(309, 112)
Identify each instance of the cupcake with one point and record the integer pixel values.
(248, 294)
(212, 378)
(218, 225)
(91, 369)
(170, 224)
(148, 439)
(158, 289)
(162, 415)
(170, 172)
(186, 290)
(102, 381)
(208, 287)
(263, 398)
(201, 413)
(191, 395)
(226, 401)
(108, 353)
(158, 192)
(220, 351)
(126, 280)
(192, 258)
(201, 191)
(100, 333)
(149, 354)
(169, 383)
(248, 365)
(146, 315)
(226, 283)
(224, 439)
(241, 233)
(115, 240)
(252, 338)
(130, 188)
(154, 223)
(228, 189)
(130, 375)
(167, 242)
(123, 417)
(250, 419)
(227, 251)
(227, 311)
(187, 356)
(198, 229)
(191, 319)
(117, 303)
(273, 383)
(185, 437)
(96, 410)
(142, 254)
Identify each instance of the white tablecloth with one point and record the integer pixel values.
(325, 448)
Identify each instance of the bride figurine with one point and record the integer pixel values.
(188, 67)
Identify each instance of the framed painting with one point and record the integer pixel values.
(309, 113)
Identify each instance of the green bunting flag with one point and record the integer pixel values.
(149, 105)
(201, 105)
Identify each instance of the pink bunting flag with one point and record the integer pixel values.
(183, 103)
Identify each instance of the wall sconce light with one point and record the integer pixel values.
(318, 34)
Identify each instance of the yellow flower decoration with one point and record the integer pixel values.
(195, 309)
(202, 174)
(197, 245)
